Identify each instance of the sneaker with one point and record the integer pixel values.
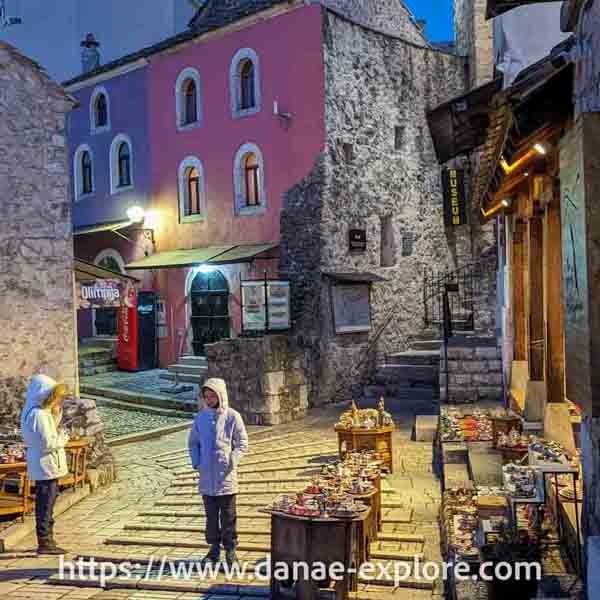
(231, 558)
(213, 556)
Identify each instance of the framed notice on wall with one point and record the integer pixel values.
(254, 310)
(279, 304)
(351, 308)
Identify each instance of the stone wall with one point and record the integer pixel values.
(37, 317)
(268, 378)
(474, 371)
(391, 17)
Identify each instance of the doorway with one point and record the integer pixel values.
(210, 320)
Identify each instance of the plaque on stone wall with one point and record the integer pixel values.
(357, 239)
(575, 270)
(351, 308)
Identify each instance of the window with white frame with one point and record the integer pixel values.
(99, 110)
(249, 180)
(188, 99)
(83, 172)
(244, 83)
(121, 164)
(192, 199)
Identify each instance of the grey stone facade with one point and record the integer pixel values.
(378, 173)
(268, 378)
(474, 371)
(37, 315)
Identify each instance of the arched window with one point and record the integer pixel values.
(83, 172)
(249, 180)
(188, 98)
(252, 178)
(192, 205)
(124, 165)
(248, 99)
(99, 110)
(86, 173)
(244, 83)
(121, 164)
(190, 113)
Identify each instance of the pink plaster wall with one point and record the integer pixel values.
(290, 51)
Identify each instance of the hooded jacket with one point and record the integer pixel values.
(46, 458)
(216, 443)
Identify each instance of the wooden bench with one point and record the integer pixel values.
(76, 451)
(16, 501)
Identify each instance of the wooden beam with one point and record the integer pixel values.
(519, 254)
(555, 341)
(535, 255)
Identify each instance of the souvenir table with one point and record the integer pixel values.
(313, 540)
(367, 429)
(505, 423)
(465, 426)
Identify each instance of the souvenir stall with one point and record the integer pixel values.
(334, 519)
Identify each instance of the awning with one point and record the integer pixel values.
(362, 277)
(85, 270)
(211, 255)
(460, 125)
(109, 227)
(497, 7)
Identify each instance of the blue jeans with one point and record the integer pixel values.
(46, 493)
(221, 520)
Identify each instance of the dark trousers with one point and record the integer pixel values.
(46, 493)
(221, 520)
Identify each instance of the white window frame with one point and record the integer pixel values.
(187, 163)
(97, 91)
(188, 73)
(239, 179)
(235, 84)
(78, 173)
(114, 164)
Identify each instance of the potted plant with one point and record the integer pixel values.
(511, 548)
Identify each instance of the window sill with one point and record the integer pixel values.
(248, 112)
(250, 211)
(189, 126)
(193, 219)
(84, 196)
(98, 130)
(119, 190)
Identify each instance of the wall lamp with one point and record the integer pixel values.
(136, 214)
(504, 203)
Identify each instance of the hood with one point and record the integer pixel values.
(220, 388)
(39, 390)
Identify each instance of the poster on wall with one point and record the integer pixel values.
(574, 270)
(254, 310)
(100, 293)
(279, 304)
(351, 308)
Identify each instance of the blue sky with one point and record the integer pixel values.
(438, 14)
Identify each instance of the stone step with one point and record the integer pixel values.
(394, 373)
(194, 361)
(414, 357)
(399, 391)
(188, 369)
(97, 370)
(177, 542)
(434, 344)
(182, 378)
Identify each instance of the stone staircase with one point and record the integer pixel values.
(188, 369)
(95, 360)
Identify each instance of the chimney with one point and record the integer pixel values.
(421, 23)
(90, 56)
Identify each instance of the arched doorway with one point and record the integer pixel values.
(209, 299)
(104, 320)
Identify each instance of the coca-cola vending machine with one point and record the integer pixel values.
(137, 347)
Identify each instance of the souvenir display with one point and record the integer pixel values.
(544, 453)
(12, 453)
(519, 481)
(457, 426)
(368, 418)
(461, 523)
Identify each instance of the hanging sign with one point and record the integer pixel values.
(100, 293)
(455, 201)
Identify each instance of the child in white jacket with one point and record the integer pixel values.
(46, 458)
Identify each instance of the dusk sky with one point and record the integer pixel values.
(438, 14)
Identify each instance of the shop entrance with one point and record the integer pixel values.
(209, 297)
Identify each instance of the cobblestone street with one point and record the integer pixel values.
(154, 510)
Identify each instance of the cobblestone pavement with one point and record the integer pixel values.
(154, 510)
(119, 421)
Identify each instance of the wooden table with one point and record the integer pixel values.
(19, 503)
(312, 541)
(378, 439)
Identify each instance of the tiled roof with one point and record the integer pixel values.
(214, 15)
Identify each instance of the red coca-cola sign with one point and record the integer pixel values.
(127, 345)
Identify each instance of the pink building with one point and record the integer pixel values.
(222, 160)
